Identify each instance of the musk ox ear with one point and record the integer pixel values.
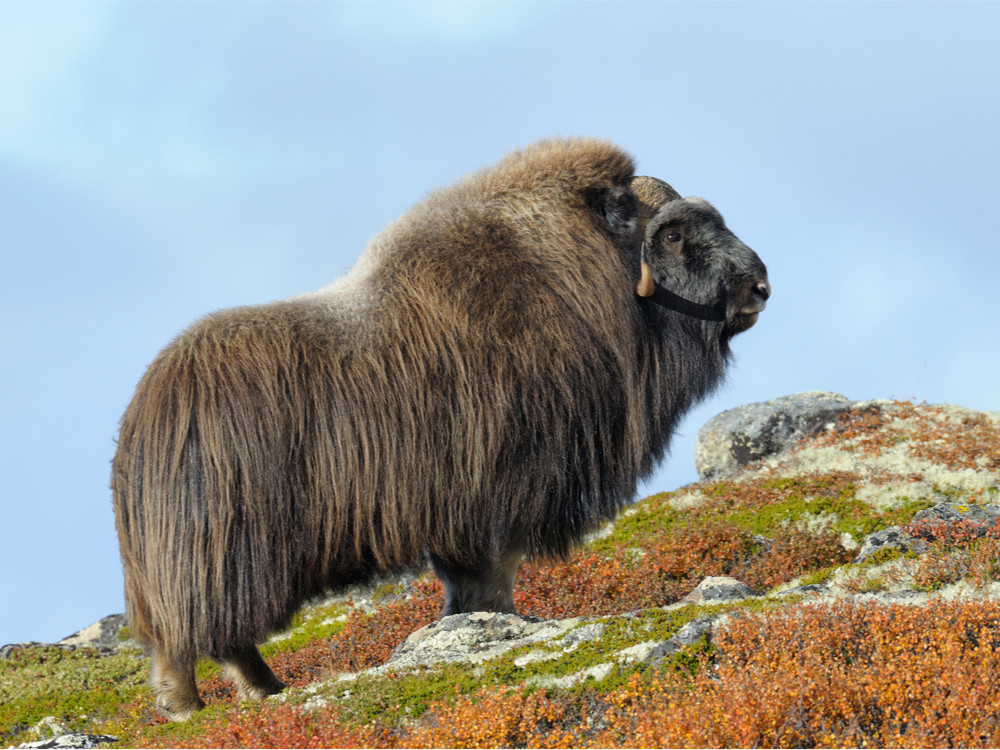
(617, 210)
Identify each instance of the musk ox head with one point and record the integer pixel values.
(693, 264)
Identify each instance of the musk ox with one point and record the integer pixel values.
(488, 382)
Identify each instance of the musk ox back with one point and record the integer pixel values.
(486, 383)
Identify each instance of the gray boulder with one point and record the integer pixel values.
(892, 537)
(719, 589)
(747, 434)
(474, 637)
(67, 741)
(979, 516)
(701, 627)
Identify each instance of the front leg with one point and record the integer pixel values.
(489, 588)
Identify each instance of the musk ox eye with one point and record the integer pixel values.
(673, 237)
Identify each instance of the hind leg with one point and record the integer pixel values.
(254, 679)
(489, 588)
(174, 687)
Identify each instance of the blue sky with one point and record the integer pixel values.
(162, 160)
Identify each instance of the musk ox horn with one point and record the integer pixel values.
(646, 285)
(651, 193)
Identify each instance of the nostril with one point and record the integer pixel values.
(763, 290)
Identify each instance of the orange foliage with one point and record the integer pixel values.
(960, 550)
(793, 552)
(281, 726)
(488, 718)
(592, 585)
(842, 675)
(848, 675)
(971, 443)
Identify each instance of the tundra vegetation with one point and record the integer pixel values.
(901, 649)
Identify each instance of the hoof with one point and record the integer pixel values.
(177, 710)
(259, 692)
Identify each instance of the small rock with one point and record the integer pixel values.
(892, 537)
(688, 634)
(981, 516)
(719, 589)
(809, 588)
(73, 741)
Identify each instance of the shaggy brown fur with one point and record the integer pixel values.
(483, 385)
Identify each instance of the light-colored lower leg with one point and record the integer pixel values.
(174, 687)
(254, 679)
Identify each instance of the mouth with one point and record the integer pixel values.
(747, 315)
(742, 321)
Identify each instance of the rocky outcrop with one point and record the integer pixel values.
(477, 637)
(57, 736)
(105, 635)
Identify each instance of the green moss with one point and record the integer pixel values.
(168, 734)
(308, 626)
(388, 591)
(817, 577)
(649, 519)
(79, 687)
(884, 555)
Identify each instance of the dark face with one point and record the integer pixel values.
(694, 255)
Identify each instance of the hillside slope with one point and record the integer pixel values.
(834, 580)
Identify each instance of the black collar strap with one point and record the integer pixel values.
(666, 298)
(649, 289)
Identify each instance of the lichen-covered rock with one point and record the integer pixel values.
(104, 635)
(892, 537)
(474, 637)
(700, 627)
(981, 516)
(56, 735)
(719, 589)
(68, 741)
(746, 434)
(977, 520)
